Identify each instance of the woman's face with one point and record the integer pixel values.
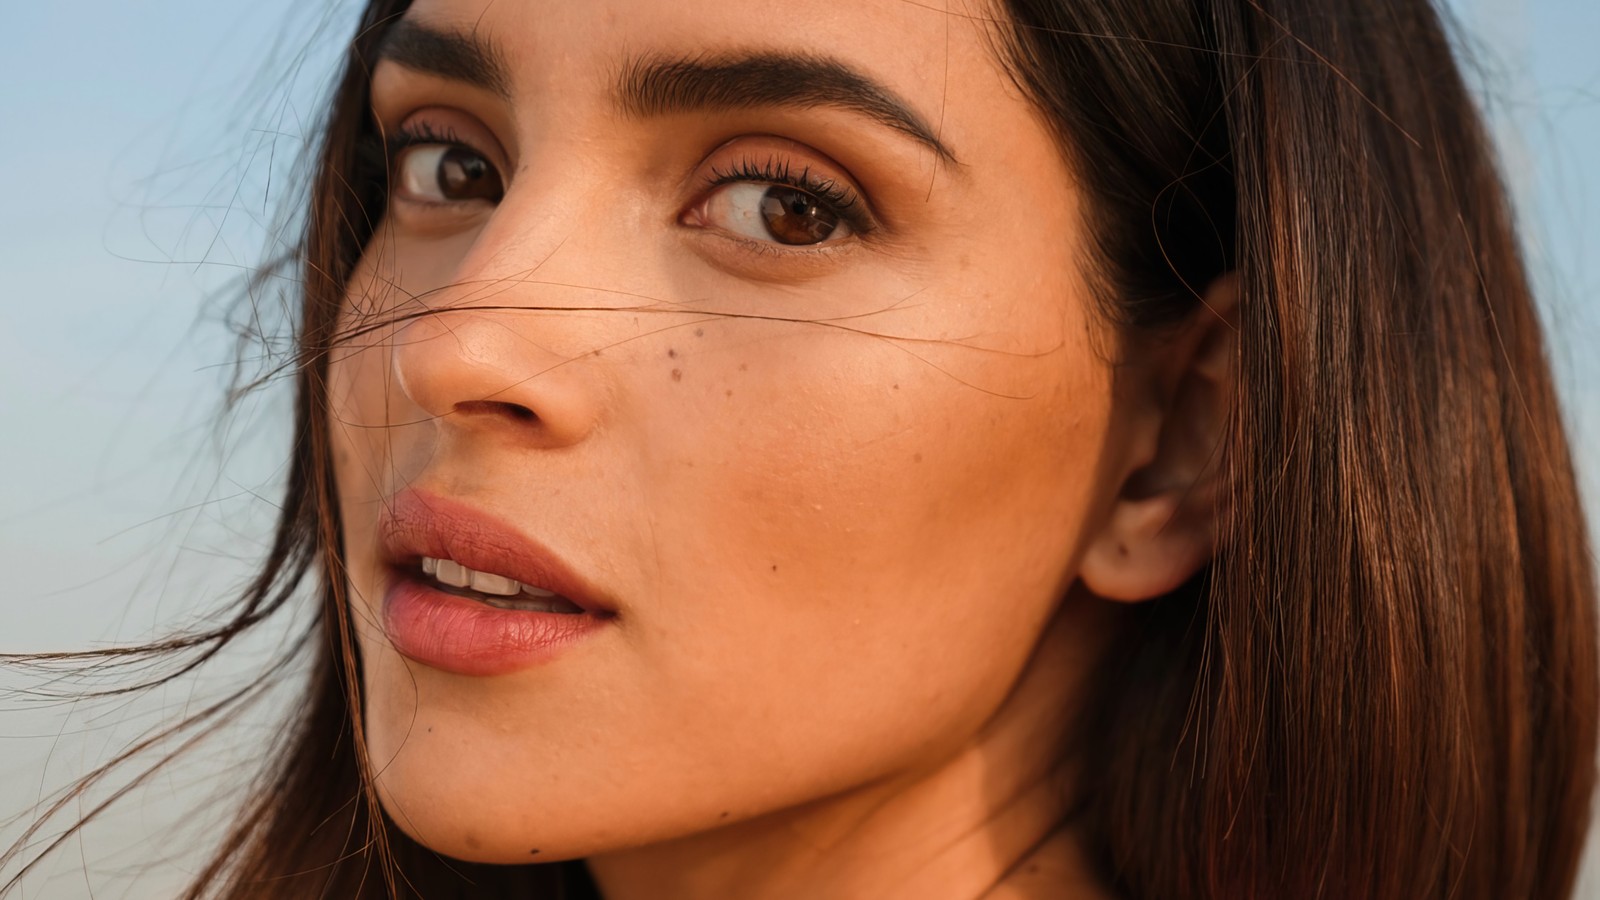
(769, 324)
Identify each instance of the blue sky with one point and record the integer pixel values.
(137, 141)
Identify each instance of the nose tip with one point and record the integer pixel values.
(479, 371)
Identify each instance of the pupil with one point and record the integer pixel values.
(793, 216)
(465, 175)
(458, 168)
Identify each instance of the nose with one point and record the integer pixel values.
(488, 371)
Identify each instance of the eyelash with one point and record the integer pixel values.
(840, 199)
(419, 133)
(377, 153)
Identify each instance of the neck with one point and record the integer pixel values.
(985, 821)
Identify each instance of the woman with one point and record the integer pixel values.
(1072, 450)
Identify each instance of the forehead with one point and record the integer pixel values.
(938, 59)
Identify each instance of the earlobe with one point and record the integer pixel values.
(1161, 526)
(1149, 548)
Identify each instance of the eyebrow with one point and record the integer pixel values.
(650, 87)
(663, 86)
(466, 57)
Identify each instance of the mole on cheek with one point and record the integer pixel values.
(671, 353)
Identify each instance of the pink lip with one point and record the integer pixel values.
(460, 635)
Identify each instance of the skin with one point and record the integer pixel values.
(865, 508)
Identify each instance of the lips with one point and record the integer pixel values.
(415, 526)
(441, 626)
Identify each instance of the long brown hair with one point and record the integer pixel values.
(1384, 685)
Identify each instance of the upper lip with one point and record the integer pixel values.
(415, 524)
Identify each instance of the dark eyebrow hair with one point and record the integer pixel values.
(462, 56)
(658, 86)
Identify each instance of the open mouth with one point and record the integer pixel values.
(498, 591)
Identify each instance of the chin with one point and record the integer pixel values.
(449, 809)
(470, 793)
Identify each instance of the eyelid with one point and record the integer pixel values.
(761, 158)
(445, 125)
(437, 127)
(843, 198)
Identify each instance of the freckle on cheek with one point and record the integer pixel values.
(677, 374)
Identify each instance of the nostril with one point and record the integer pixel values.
(482, 377)
(514, 411)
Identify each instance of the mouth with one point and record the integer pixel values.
(473, 595)
(498, 591)
(448, 546)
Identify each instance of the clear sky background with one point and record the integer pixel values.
(145, 149)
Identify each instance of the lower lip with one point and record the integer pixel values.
(461, 635)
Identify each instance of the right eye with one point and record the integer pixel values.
(446, 173)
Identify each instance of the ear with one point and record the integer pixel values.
(1161, 527)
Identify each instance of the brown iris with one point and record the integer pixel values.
(793, 216)
(464, 175)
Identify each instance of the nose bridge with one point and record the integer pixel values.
(509, 341)
(542, 224)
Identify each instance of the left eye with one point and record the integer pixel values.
(446, 173)
(774, 212)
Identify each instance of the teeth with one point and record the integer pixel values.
(450, 572)
(494, 584)
(453, 573)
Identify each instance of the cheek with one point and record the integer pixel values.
(899, 458)
(864, 542)
(379, 437)
(882, 470)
